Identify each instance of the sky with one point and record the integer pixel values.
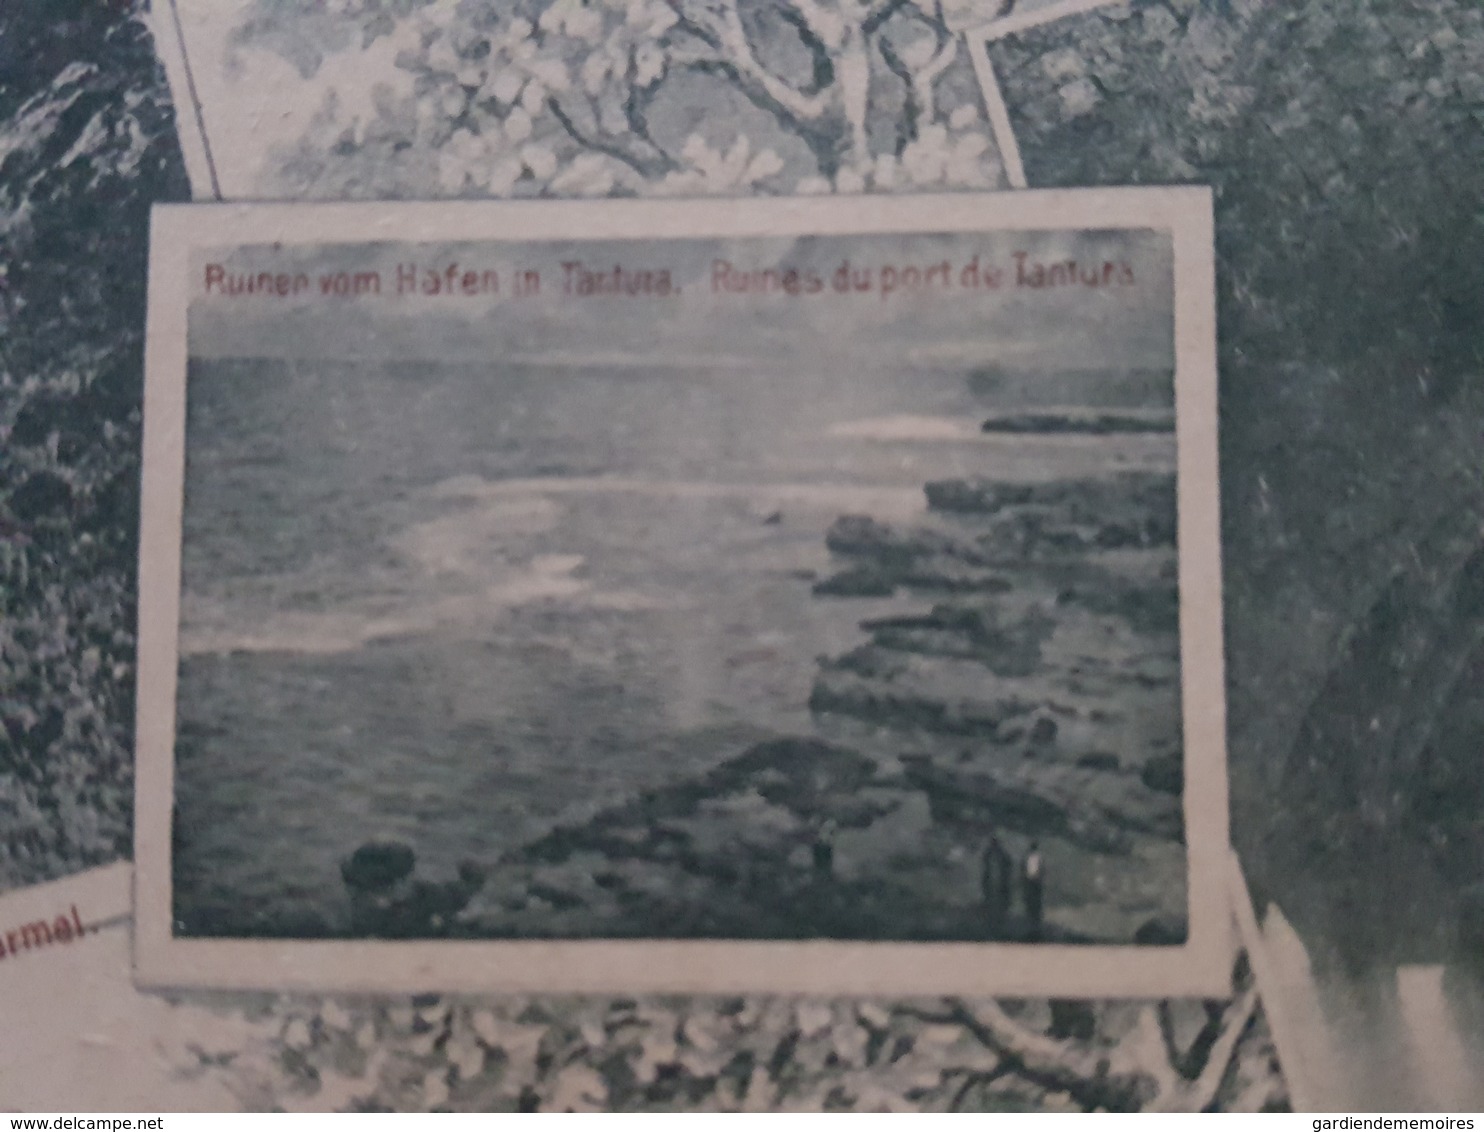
(915, 310)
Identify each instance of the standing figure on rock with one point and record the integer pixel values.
(1033, 888)
(824, 850)
(995, 871)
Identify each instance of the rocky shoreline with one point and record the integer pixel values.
(1034, 698)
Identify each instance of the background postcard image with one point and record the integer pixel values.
(813, 581)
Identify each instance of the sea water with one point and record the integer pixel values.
(456, 603)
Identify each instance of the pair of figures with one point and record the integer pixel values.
(998, 873)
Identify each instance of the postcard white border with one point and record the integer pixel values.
(1202, 967)
(169, 34)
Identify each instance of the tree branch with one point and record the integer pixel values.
(821, 135)
(1200, 1049)
(1201, 1094)
(1167, 1032)
(921, 101)
(974, 1078)
(881, 12)
(943, 56)
(907, 129)
(825, 27)
(728, 34)
(824, 65)
(636, 105)
(1086, 1074)
(947, 48)
(647, 167)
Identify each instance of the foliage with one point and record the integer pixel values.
(600, 97)
(750, 1055)
(86, 146)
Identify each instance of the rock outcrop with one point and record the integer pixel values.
(1048, 706)
(1086, 424)
(1033, 696)
(388, 901)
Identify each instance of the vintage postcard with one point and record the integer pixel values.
(808, 596)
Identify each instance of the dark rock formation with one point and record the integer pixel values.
(87, 145)
(1162, 932)
(972, 632)
(388, 902)
(986, 799)
(863, 535)
(1043, 731)
(735, 853)
(1090, 808)
(911, 710)
(858, 581)
(1052, 638)
(1145, 494)
(1147, 606)
(378, 865)
(1091, 424)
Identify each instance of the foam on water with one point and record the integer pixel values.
(460, 543)
(214, 628)
(908, 427)
(884, 501)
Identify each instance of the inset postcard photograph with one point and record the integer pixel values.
(819, 596)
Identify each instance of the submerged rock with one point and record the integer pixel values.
(980, 496)
(1093, 424)
(880, 703)
(863, 535)
(387, 901)
(797, 774)
(1043, 731)
(857, 581)
(985, 798)
(1165, 773)
(1162, 931)
(378, 865)
(1146, 607)
(1078, 500)
(965, 630)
